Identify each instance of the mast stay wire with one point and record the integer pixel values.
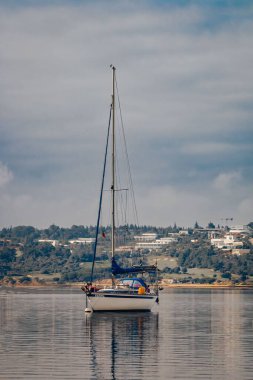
(121, 198)
(123, 193)
(127, 158)
(121, 201)
(101, 197)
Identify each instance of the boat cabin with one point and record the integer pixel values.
(133, 283)
(128, 285)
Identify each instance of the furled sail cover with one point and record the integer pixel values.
(116, 269)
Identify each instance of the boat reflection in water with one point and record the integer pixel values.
(199, 334)
(120, 344)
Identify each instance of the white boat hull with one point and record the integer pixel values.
(120, 302)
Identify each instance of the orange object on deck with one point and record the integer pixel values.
(141, 290)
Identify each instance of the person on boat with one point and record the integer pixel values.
(89, 288)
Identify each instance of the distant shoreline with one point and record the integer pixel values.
(164, 286)
(207, 286)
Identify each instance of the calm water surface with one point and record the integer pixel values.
(193, 334)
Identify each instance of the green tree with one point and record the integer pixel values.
(226, 275)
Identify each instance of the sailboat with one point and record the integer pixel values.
(128, 293)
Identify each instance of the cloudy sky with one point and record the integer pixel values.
(184, 70)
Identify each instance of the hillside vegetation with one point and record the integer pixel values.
(23, 257)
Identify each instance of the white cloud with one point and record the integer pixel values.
(165, 205)
(5, 175)
(226, 181)
(185, 94)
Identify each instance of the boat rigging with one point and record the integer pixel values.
(128, 293)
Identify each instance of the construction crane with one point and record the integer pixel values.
(226, 219)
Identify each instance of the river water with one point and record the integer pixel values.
(192, 334)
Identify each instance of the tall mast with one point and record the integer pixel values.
(113, 162)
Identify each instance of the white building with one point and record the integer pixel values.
(213, 234)
(173, 234)
(156, 244)
(167, 240)
(227, 242)
(124, 248)
(240, 230)
(82, 241)
(183, 232)
(55, 243)
(146, 237)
